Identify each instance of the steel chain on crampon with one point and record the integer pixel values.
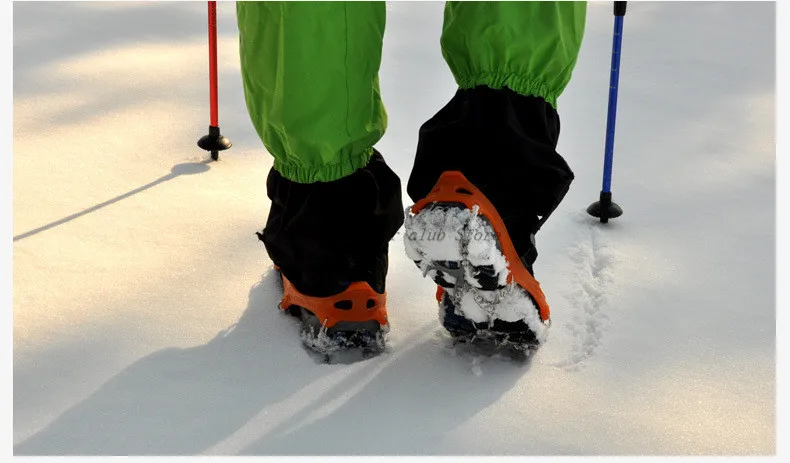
(489, 307)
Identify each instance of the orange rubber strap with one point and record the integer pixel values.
(366, 304)
(453, 187)
(439, 293)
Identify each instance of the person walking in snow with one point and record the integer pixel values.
(485, 178)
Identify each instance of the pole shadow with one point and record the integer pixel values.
(178, 170)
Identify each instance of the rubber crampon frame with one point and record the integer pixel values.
(357, 303)
(453, 187)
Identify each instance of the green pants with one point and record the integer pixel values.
(310, 70)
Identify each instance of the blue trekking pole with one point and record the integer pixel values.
(604, 208)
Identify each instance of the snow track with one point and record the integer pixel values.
(595, 261)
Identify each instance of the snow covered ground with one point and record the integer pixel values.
(144, 315)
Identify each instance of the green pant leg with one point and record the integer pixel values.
(310, 74)
(529, 47)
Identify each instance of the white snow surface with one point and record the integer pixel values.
(145, 318)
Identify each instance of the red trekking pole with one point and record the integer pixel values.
(213, 142)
